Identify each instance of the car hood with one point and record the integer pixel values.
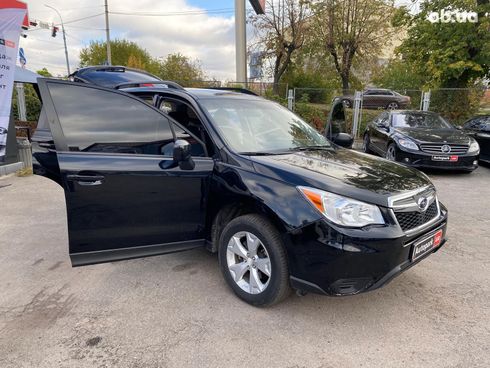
(435, 135)
(342, 171)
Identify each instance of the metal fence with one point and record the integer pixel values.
(455, 105)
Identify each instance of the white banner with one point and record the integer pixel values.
(10, 28)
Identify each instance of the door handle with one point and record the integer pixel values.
(86, 179)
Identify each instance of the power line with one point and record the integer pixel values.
(171, 14)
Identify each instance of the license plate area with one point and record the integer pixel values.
(451, 158)
(427, 244)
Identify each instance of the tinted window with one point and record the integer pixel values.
(419, 120)
(94, 120)
(113, 78)
(482, 123)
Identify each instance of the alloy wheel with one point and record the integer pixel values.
(390, 153)
(365, 143)
(248, 262)
(392, 106)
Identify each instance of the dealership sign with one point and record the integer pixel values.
(12, 16)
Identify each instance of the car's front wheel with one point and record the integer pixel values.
(365, 144)
(391, 152)
(253, 260)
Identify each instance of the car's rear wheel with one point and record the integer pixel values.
(392, 105)
(253, 260)
(391, 152)
(365, 143)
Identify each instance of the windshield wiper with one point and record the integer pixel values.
(261, 153)
(311, 148)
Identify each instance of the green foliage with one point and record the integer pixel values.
(44, 72)
(312, 114)
(450, 54)
(398, 74)
(175, 67)
(456, 105)
(180, 68)
(123, 52)
(33, 104)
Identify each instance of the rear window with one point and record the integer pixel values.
(113, 78)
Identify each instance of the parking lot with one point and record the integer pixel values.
(176, 311)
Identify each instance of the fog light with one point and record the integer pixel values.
(406, 159)
(475, 162)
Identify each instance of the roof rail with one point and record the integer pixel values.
(168, 84)
(236, 89)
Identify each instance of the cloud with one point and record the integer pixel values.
(207, 37)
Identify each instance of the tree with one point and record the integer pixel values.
(44, 72)
(348, 29)
(123, 52)
(398, 75)
(281, 31)
(180, 68)
(453, 54)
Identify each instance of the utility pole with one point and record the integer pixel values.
(241, 42)
(107, 34)
(64, 38)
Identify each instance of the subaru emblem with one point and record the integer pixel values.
(423, 203)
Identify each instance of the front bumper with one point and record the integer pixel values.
(350, 261)
(420, 159)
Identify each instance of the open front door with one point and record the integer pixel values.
(124, 198)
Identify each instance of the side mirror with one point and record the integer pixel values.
(182, 154)
(383, 126)
(343, 140)
(459, 127)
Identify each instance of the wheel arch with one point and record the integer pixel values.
(224, 211)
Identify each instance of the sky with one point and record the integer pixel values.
(209, 37)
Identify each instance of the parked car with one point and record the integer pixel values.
(149, 171)
(479, 128)
(421, 139)
(375, 98)
(112, 76)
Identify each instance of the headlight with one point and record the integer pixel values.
(342, 210)
(407, 143)
(474, 147)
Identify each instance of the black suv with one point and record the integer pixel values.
(151, 170)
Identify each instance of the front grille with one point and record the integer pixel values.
(411, 220)
(436, 148)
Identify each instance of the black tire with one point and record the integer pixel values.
(278, 285)
(365, 144)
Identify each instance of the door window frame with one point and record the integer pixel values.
(57, 130)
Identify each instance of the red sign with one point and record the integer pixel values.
(16, 5)
(437, 238)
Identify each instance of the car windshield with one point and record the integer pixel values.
(419, 120)
(260, 126)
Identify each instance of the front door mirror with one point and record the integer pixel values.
(343, 140)
(182, 154)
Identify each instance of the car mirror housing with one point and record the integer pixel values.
(182, 154)
(343, 140)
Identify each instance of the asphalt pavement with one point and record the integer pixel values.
(176, 311)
